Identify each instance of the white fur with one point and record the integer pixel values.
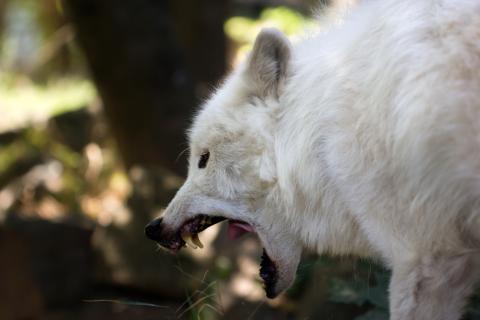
(369, 146)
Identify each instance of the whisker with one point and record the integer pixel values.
(256, 309)
(193, 305)
(181, 153)
(126, 302)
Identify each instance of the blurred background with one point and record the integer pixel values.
(95, 97)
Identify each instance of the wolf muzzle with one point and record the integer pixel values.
(165, 237)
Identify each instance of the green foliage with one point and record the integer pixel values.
(243, 30)
(369, 286)
(223, 268)
(474, 308)
(289, 21)
(11, 153)
(26, 103)
(202, 304)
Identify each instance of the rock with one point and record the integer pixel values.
(49, 265)
(20, 296)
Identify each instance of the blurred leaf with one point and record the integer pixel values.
(361, 290)
(285, 19)
(378, 294)
(16, 159)
(65, 155)
(223, 267)
(349, 292)
(474, 308)
(28, 103)
(244, 30)
(240, 29)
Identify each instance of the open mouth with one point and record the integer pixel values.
(187, 235)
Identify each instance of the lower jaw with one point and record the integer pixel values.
(268, 270)
(269, 275)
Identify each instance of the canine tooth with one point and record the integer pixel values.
(196, 240)
(188, 240)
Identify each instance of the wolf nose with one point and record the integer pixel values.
(153, 230)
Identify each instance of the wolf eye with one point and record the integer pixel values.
(202, 163)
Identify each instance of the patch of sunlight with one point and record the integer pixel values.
(27, 103)
(243, 30)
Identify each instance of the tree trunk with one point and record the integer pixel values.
(148, 62)
(3, 5)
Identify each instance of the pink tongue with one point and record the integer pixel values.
(238, 228)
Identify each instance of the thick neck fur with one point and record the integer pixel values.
(325, 225)
(300, 137)
(317, 126)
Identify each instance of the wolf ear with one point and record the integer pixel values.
(268, 63)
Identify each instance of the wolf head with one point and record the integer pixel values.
(232, 172)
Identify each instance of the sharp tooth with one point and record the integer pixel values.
(196, 240)
(188, 240)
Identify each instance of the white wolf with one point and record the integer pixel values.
(363, 139)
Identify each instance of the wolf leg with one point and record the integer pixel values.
(432, 287)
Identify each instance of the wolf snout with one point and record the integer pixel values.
(153, 230)
(165, 237)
